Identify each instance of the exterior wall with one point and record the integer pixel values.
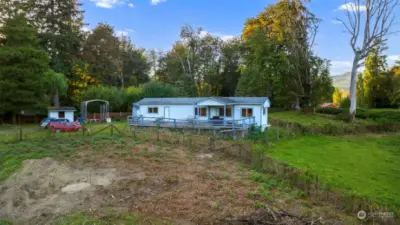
(210, 102)
(67, 115)
(187, 111)
(53, 114)
(175, 111)
(260, 119)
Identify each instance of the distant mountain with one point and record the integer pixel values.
(342, 81)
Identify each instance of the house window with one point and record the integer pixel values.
(264, 111)
(61, 115)
(152, 110)
(203, 111)
(228, 112)
(247, 112)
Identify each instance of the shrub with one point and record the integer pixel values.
(344, 116)
(158, 89)
(331, 111)
(345, 103)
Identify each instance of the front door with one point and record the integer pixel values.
(166, 112)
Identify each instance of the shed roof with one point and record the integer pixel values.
(193, 101)
(63, 108)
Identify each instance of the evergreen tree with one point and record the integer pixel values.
(102, 53)
(23, 64)
(59, 23)
(134, 68)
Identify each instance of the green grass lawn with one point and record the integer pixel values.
(364, 166)
(313, 119)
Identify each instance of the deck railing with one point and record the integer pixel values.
(240, 124)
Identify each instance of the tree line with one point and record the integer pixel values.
(378, 86)
(46, 58)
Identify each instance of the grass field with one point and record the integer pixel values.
(148, 178)
(363, 165)
(313, 119)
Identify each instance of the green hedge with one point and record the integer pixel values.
(331, 111)
(336, 128)
(384, 117)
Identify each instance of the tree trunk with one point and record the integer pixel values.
(353, 82)
(122, 81)
(14, 118)
(297, 104)
(56, 99)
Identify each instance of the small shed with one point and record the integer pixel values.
(62, 113)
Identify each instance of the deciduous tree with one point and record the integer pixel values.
(368, 26)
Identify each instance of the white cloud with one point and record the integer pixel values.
(86, 29)
(131, 5)
(339, 67)
(156, 2)
(123, 32)
(351, 6)
(107, 3)
(394, 58)
(223, 37)
(204, 33)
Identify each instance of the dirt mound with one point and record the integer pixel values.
(157, 182)
(45, 188)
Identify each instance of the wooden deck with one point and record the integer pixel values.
(220, 125)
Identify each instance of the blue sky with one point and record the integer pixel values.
(156, 23)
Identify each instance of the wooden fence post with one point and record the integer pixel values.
(277, 133)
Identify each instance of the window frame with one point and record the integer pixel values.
(221, 109)
(264, 111)
(247, 112)
(152, 110)
(61, 114)
(201, 108)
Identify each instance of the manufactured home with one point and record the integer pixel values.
(212, 111)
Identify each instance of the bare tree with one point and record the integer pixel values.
(376, 25)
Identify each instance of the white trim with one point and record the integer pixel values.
(152, 107)
(252, 109)
(198, 108)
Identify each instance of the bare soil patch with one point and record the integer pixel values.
(166, 183)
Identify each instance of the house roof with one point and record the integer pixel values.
(63, 108)
(193, 101)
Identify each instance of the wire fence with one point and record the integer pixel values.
(250, 150)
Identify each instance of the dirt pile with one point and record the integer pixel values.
(45, 188)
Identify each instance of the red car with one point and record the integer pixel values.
(65, 127)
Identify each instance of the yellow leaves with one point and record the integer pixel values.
(339, 95)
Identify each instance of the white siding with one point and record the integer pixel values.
(210, 102)
(175, 111)
(67, 115)
(187, 111)
(53, 114)
(260, 119)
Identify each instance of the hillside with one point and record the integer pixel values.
(342, 81)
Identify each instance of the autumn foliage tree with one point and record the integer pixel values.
(291, 28)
